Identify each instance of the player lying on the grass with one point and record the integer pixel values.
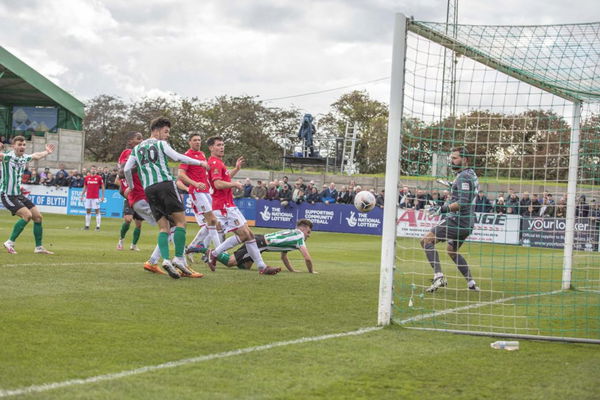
(457, 223)
(280, 241)
(13, 165)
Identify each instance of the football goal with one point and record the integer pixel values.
(523, 102)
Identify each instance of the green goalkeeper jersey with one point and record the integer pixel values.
(284, 241)
(12, 171)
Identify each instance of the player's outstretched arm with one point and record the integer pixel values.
(175, 156)
(41, 154)
(307, 260)
(238, 165)
(286, 262)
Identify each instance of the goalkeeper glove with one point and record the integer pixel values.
(438, 210)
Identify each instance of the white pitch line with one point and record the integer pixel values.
(172, 364)
(66, 264)
(476, 305)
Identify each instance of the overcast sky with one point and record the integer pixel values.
(265, 48)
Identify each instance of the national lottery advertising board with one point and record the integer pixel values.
(489, 227)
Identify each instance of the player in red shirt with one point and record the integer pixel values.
(229, 216)
(91, 191)
(196, 180)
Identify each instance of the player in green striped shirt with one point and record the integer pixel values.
(151, 158)
(13, 165)
(280, 241)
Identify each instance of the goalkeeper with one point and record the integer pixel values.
(458, 219)
(280, 241)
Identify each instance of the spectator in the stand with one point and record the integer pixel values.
(329, 194)
(313, 197)
(423, 199)
(498, 195)
(436, 198)
(111, 180)
(285, 181)
(445, 197)
(104, 173)
(3, 140)
(259, 192)
(403, 196)
(60, 179)
(76, 180)
(26, 175)
(44, 175)
(524, 204)
(353, 193)
(34, 179)
(301, 184)
(511, 192)
(343, 196)
(309, 187)
(379, 199)
(482, 203)
(499, 206)
(285, 195)
(583, 209)
(61, 168)
(547, 208)
(84, 172)
(238, 192)
(561, 208)
(49, 181)
(535, 205)
(272, 192)
(297, 192)
(300, 198)
(247, 188)
(410, 201)
(512, 204)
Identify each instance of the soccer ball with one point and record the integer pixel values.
(364, 201)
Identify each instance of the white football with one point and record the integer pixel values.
(364, 201)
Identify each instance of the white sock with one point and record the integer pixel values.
(437, 275)
(226, 245)
(214, 235)
(155, 256)
(98, 219)
(252, 248)
(471, 283)
(88, 219)
(200, 236)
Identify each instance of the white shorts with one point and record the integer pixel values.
(142, 208)
(92, 204)
(201, 203)
(230, 219)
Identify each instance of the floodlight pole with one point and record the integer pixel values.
(392, 172)
(571, 196)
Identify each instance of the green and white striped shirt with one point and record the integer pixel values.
(12, 171)
(286, 240)
(151, 157)
(152, 162)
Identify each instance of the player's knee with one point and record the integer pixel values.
(37, 218)
(27, 217)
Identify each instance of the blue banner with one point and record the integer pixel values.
(246, 205)
(325, 217)
(111, 207)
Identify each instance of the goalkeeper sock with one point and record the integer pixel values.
(179, 239)
(136, 235)
(463, 267)
(163, 245)
(433, 257)
(17, 229)
(124, 229)
(37, 233)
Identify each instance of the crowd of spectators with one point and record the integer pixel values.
(64, 178)
(302, 192)
(524, 204)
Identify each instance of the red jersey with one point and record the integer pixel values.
(222, 198)
(196, 172)
(93, 183)
(137, 193)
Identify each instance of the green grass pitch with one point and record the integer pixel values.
(90, 310)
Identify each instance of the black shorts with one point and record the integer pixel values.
(127, 210)
(164, 199)
(242, 256)
(15, 203)
(449, 231)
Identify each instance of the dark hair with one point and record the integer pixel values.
(211, 140)
(193, 134)
(159, 123)
(131, 134)
(464, 151)
(304, 222)
(18, 139)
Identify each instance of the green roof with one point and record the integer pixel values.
(22, 85)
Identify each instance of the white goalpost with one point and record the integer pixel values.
(526, 101)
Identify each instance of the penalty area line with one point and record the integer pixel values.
(173, 364)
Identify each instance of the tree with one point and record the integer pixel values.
(104, 123)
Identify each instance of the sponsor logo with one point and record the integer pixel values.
(540, 224)
(265, 214)
(276, 214)
(351, 220)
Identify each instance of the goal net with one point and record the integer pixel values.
(524, 101)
